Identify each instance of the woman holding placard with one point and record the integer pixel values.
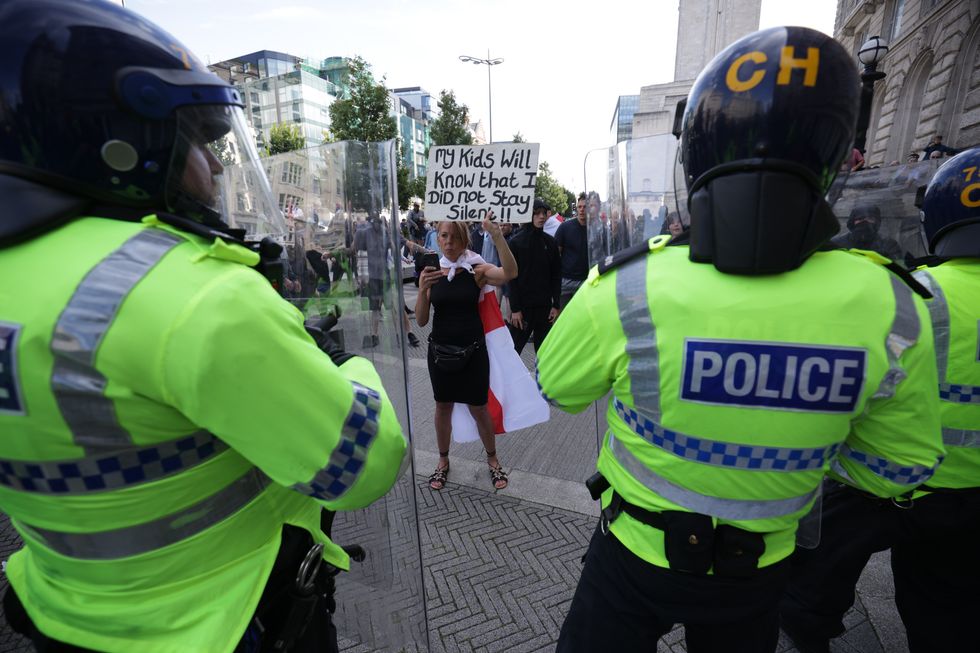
(459, 367)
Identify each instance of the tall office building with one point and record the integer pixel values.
(412, 108)
(704, 28)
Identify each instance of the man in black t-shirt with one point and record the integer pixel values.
(573, 245)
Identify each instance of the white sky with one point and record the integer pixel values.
(565, 63)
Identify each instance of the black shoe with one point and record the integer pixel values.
(370, 341)
(803, 641)
(413, 340)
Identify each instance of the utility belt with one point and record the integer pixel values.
(294, 613)
(692, 542)
(907, 500)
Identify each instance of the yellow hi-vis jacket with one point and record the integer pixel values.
(955, 313)
(163, 414)
(733, 395)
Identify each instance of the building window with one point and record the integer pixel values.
(292, 174)
(926, 6)
(895, 29)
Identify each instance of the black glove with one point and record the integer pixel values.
(319, 330)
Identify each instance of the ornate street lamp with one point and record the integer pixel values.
(489, 63)
(873, 50)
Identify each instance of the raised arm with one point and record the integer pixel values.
(498, 276)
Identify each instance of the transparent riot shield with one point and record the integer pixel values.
(877, 209)
(342, 249)
(630, 189)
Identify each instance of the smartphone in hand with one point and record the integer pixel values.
(430, 260)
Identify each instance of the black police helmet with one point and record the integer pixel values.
(951, 207)
(766, 126)
(95, 101)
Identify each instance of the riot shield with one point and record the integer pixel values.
(343, 247)
(629, 189)
(877, 209)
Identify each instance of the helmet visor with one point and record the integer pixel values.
(217, 175)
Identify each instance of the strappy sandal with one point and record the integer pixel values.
(440, 476)
(497, 473)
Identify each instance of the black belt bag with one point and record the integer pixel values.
(692, 543)
(451, 358)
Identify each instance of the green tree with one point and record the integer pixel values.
(285, 138)
(519, 138)
(547, 188)
(451, 127)
(363, 114)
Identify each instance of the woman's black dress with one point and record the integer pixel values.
(457, 322)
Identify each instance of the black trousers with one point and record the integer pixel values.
(320, 635)
(536, 323)
(624, 604)
(935, 557)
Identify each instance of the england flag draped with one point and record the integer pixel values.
(514, 401)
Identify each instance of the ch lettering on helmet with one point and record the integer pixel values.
(773, 375)
(737, 80)
(10, 397)
(966, 195)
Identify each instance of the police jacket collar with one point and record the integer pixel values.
(31, 209)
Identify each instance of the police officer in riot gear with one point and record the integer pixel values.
(932, 532)
(863, 227)
(167, 485)
(742, 366)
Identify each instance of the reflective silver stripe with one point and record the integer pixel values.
(961, 438)
(110, 470)
(887, 469)
(641, 336)
(723, 454)
(939, 315)
(350, 455)
(739, 509)
(904, 333)
(144, 538)
(78, 387)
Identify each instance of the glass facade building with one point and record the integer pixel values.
(622, 122)
(412, 108)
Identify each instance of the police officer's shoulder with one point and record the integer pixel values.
(613, 261)
(222, 244)
(895, 268)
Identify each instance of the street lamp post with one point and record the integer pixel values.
(489, 63)
(870, 54)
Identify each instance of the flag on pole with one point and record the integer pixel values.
(514, 401)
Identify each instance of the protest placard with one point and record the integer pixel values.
(465, 181)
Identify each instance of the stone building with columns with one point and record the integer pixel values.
(932, 83)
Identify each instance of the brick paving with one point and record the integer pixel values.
(499, 574)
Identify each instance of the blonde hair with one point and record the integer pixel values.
(457, 229)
